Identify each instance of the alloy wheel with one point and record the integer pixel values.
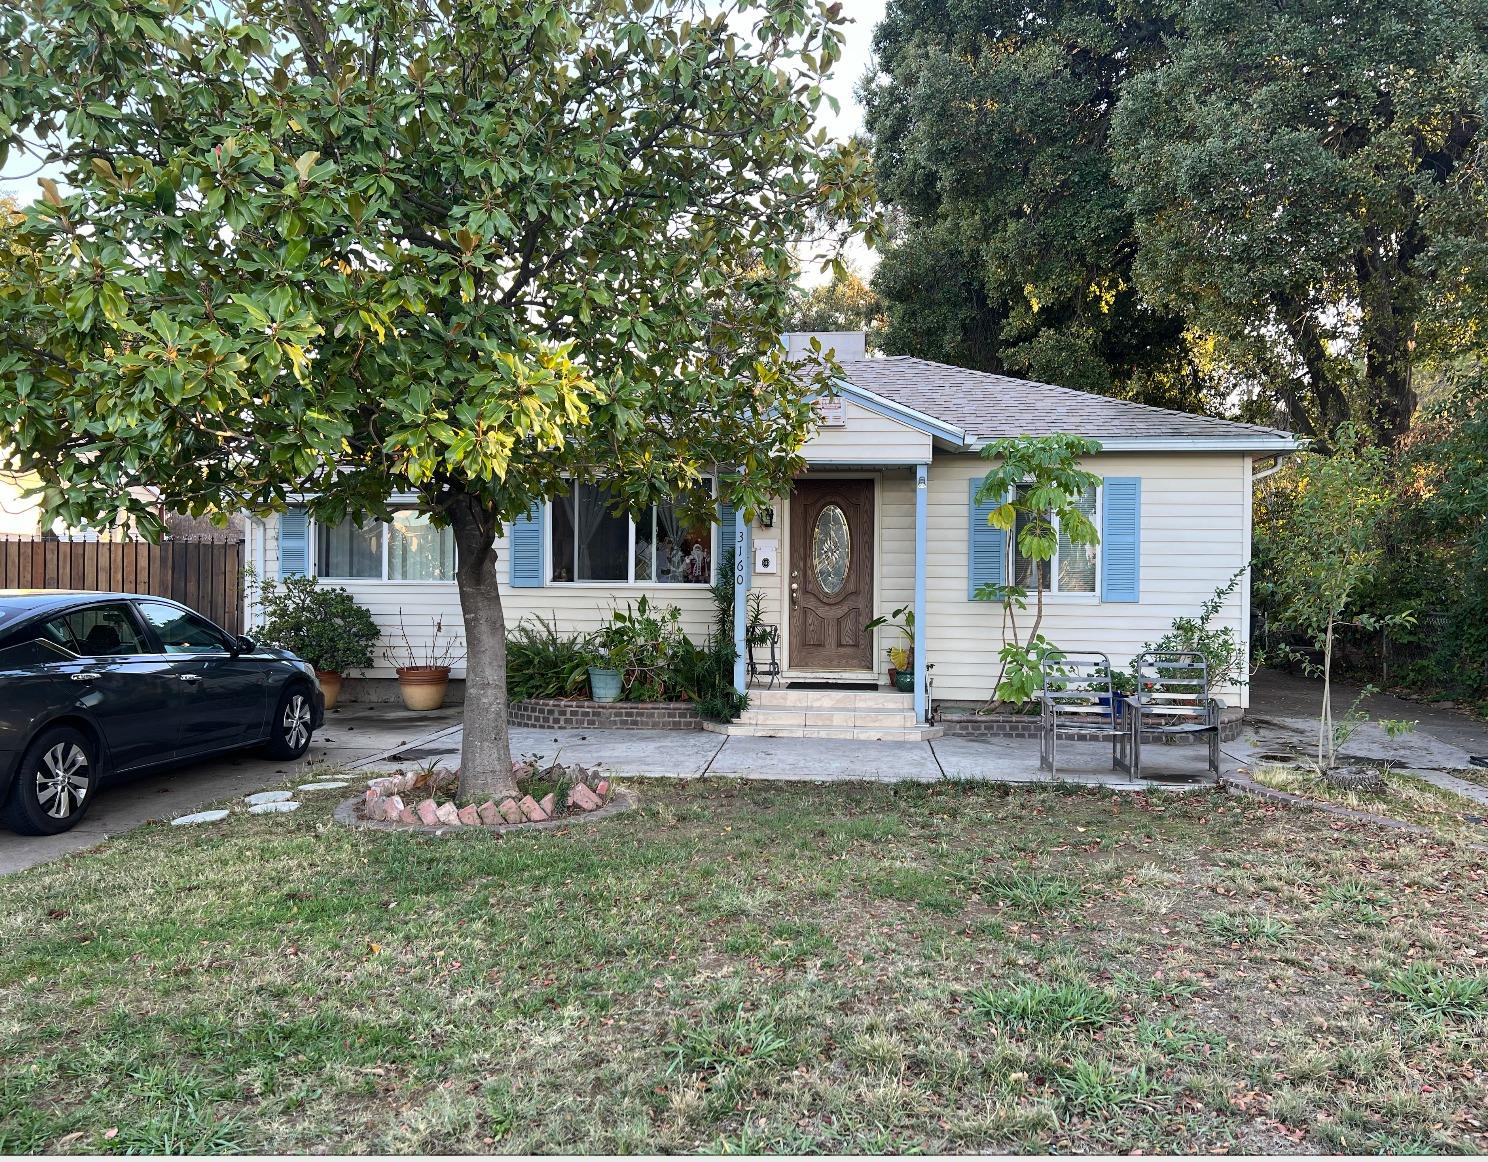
(63, 779)
(297, 721)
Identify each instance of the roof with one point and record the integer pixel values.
(991, 407)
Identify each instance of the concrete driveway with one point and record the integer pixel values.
(350, 735)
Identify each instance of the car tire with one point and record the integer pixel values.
(290, 729)
(55, 783)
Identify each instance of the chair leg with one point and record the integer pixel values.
(1135, 769)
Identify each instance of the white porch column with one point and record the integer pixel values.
(743, 567)
(922, 509)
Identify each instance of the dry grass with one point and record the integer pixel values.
(756, 968)
(1406, 797)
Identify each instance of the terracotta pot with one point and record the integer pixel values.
(330, 686)
(423, 687)
(893, 675)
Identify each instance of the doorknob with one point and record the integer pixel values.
(190, 677)
(86, 676)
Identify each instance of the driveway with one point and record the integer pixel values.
(350, 735)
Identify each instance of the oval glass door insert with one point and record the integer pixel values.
(831, 550)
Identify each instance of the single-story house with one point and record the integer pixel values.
(884, 516)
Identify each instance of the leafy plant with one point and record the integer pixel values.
(1219, 646)
(1061, 1008)
(902, 619)
(541, 662)
(322, 624)
(1434, 991)
(641, 644)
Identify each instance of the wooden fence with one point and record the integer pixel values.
(202, 572)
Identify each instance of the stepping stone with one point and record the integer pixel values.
(275, 808)
(333, 785)
(199, 817)
(268, 797)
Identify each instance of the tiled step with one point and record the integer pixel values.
(884, 715)
(860, 733)
(831, 699)
(795, 716)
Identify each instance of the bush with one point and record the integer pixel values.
(543, 663)
(323, 625)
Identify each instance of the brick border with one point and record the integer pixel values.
(349, 813)
(1027, 726)
(565, 714)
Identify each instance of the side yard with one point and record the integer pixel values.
(751, 967)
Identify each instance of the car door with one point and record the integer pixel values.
(119, 682)
(224, 700)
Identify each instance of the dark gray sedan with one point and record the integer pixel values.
(94, 685)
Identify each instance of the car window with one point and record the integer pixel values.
(33, 650)
(103, 631)
(183, 632)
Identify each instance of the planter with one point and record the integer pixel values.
(894, 677)
(904, 681)
(423, 687)
(604, 684)
(330, 686)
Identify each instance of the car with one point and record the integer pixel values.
(98, 685)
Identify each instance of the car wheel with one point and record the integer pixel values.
(55, 783)
(289, 732)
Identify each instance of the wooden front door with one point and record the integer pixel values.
(831, 579)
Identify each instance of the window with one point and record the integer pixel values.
(408, 548)
(100, 632)
(1073, 569)
(183, 632)
(36, 650)
(588, 542)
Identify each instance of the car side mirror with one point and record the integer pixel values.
(244, 645)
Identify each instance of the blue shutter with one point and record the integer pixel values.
(987, 546)
(525, 547)
(1121, 539)
(726, 530)
(294, 542)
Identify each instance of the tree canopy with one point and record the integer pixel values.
(463, 249)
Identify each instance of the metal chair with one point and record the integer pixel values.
(1076, 701)
(764, 634)
(1172, 700)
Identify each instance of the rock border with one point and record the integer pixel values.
(348, 813)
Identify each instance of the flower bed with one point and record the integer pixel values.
(581, 714)
(427, 798)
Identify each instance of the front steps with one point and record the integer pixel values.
(880, 715)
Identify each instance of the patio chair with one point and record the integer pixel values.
(1076, 702)
(1172, 700)
(765, 635)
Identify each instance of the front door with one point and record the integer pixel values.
(831, 582)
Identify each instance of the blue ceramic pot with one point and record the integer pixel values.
(604, 684)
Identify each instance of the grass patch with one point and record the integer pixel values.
(1406, 798)
(1429, 990)
(1248, 929)
(1055, 1008)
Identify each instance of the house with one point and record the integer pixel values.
(883, 517)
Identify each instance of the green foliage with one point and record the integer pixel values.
(641, 643)
(322, 624)
(846, 303)
(1072, 1006)
(541, 662)
(1434, 991)
(1220, 646)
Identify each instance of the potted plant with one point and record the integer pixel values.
(609, 658)
(322, 624)
(901, 658)
(423, 671)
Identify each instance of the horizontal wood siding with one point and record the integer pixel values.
(867, 438)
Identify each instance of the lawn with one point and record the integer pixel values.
(1405, 797)
(757, 967)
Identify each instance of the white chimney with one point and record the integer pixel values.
(846, 344)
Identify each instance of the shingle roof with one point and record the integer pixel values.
(989, 407)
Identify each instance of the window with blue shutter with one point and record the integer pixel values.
(1121, 539)
(525, 548)
(294, 542)
(987, 546)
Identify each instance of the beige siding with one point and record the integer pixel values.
(867, 438)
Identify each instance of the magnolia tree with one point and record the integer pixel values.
(464, 251)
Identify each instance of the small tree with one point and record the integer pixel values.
(1039, 486)
(1322, 546)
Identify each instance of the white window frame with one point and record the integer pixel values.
(1075, 596)
(395, 504)
(664, 587)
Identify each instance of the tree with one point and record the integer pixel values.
(1013, 244)
(846, 303)
(1043, 497)
(460, 250)
(1321, 546)
(1300, 176)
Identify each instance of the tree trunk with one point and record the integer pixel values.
(485, 749)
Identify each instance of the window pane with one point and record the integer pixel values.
(684, 553)
(417, 551)
(645, 547)
(1027, 573)
(602, 539)
(349, 550)
(561, 548)
(182, 632)
(107, 631)
(1077, 562)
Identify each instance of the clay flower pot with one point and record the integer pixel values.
(330, 686)
(423, 687)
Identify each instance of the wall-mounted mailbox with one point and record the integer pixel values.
(767, 556)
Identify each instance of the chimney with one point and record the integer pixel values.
(846, 344)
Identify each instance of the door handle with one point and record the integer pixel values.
(189, 677)
(86, 676)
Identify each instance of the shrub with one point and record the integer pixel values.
(543, 663)
(322, 624)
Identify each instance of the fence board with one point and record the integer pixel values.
(204, 573)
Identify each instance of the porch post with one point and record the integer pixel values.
(922, 505)
(743, 553)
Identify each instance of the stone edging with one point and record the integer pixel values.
(1028, 726)
(577, 714)
(347, 813)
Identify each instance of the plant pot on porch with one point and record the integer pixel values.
(904, 681)
(604, 685)
(330, 686)
(423, 687)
